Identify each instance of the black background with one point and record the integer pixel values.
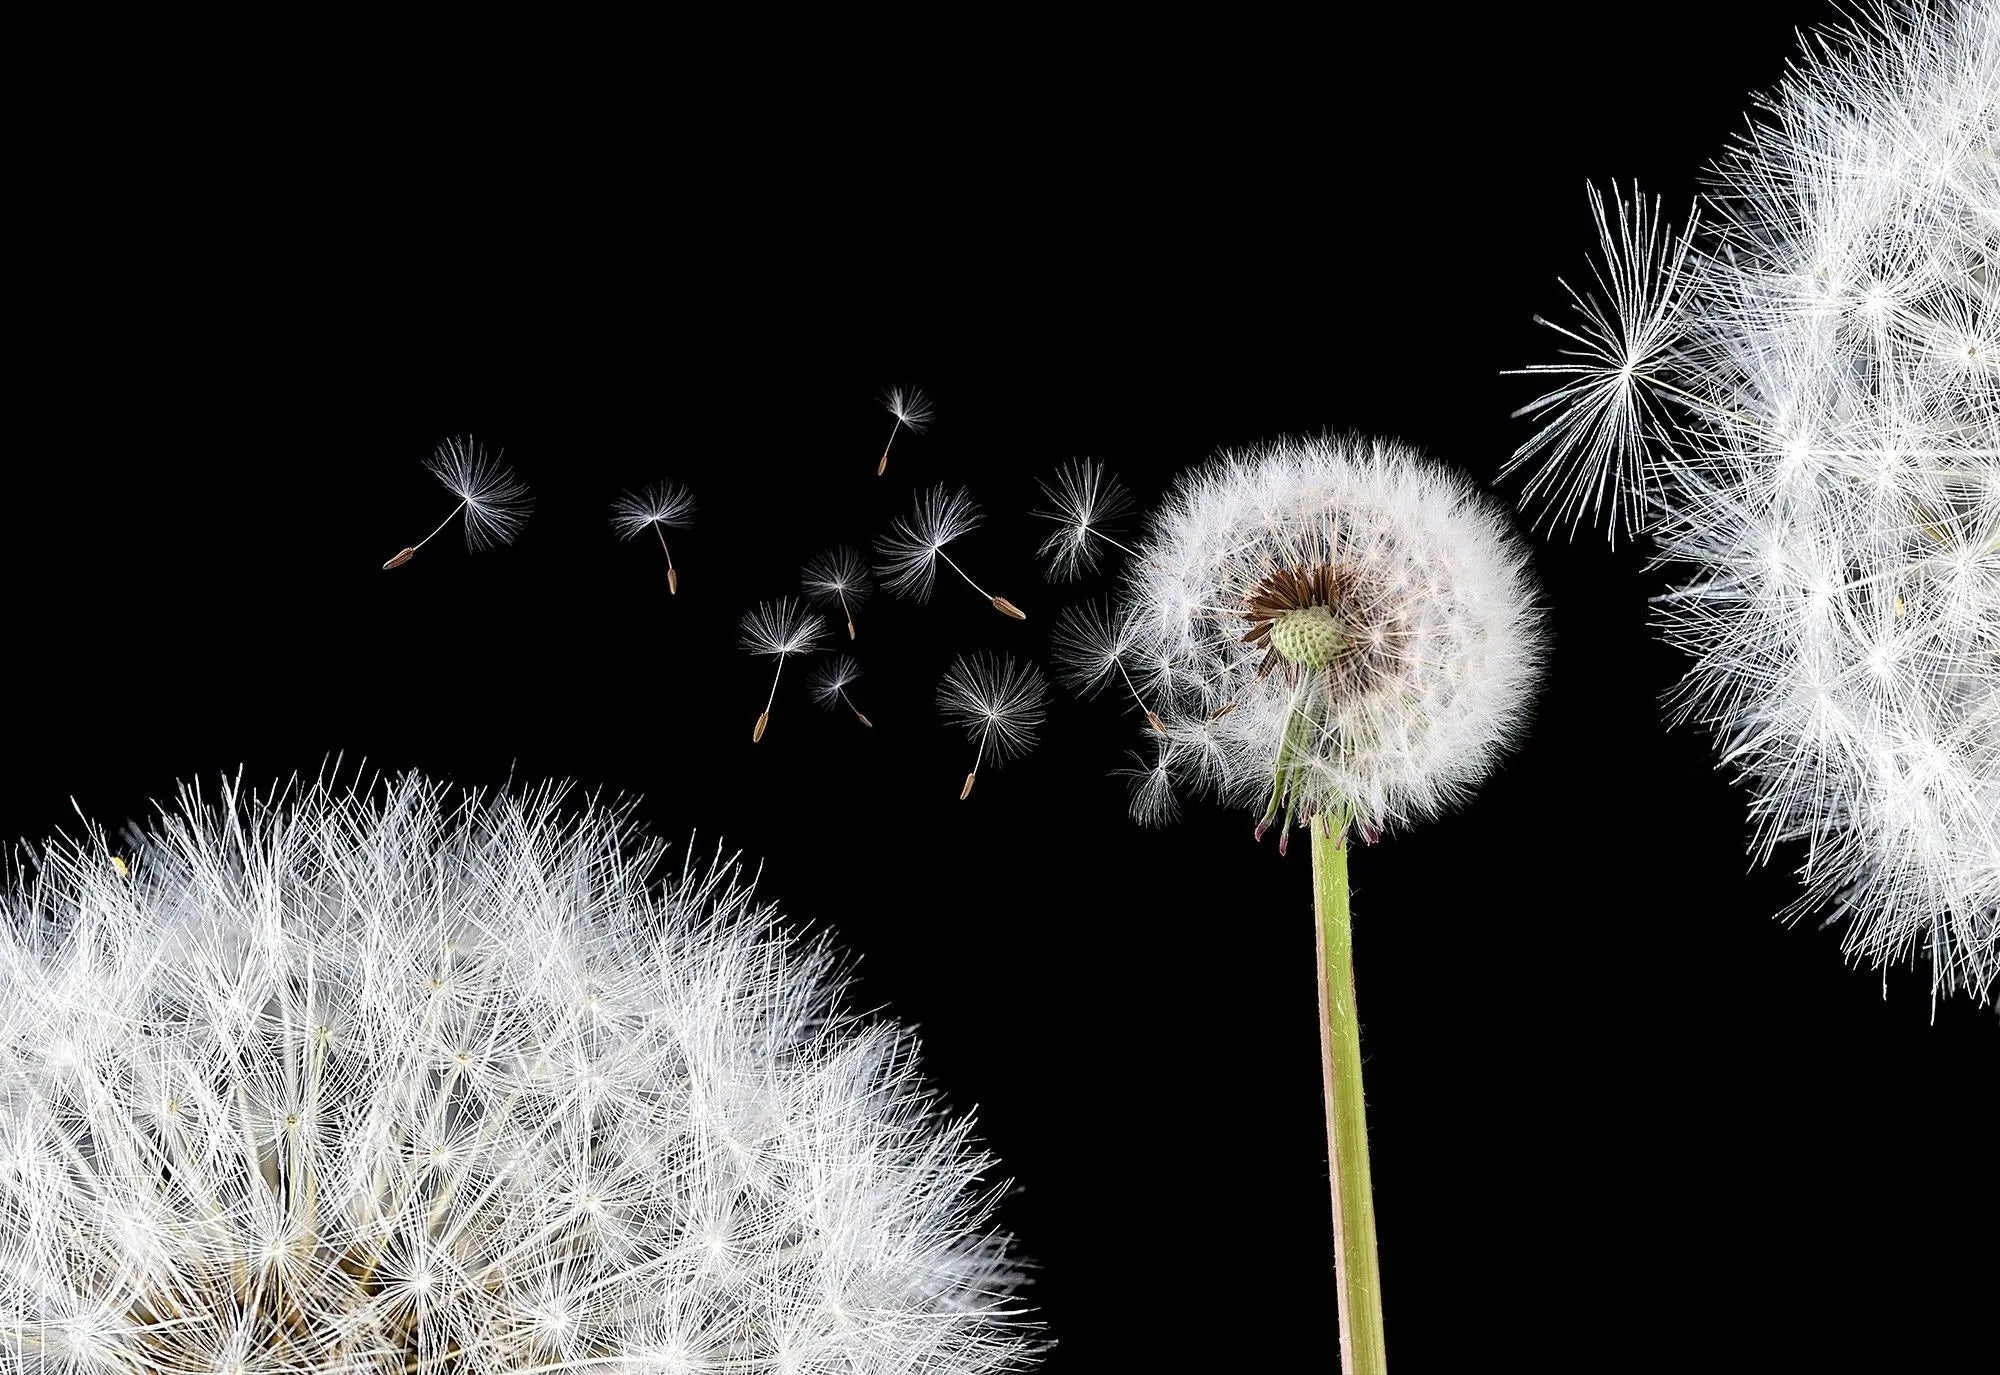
(1621, 1117)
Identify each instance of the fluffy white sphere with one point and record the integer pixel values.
(1801, 400)
(409, 1082)
(1335, 620)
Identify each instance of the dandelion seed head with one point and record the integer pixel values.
(495, 502)
(721, 1154)
(668, 505)
(1820, 448)
(1344, 594)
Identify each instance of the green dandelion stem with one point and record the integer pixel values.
(1357, 1269)
(1293, 746)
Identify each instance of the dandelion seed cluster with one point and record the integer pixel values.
(1799, 400)
(408, 1082)
(1334, 623)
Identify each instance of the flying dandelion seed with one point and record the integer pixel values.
(778, 630)
(1805, 387)
(1154, 801)
(914, 544)
(830, 681)
(661, 507)
(998, 700)
(1090, 645)
(491, 499)
(1609, 414)
(912, 410)
(1087, 506)
(396, 1081)
(838, 577)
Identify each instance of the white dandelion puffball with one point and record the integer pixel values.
(412, 1082)
(1332, 627)
(1798, 399)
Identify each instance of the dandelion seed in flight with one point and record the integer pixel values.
(661, 507)
(1607, 416)
(910, 552)
(1088, 507)
(838, 577)
(492, 501)
(830, 681)
(1154, 801)
(1090, 645)
(998, 701)
(912, 410)
(779, 630)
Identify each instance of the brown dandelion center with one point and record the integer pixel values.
(1319, 619)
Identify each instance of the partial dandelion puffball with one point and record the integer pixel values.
(1337, 626)
(1798, 399)
(402, 1082)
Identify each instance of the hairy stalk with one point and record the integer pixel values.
(1358, 1272)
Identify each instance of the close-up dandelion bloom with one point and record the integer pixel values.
(1330, 629)
(402, 1080)
(493, 503)
(1798, 400)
